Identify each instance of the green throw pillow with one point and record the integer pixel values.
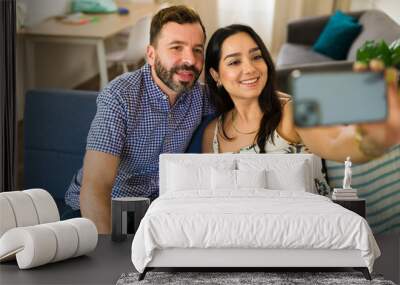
(337, 36)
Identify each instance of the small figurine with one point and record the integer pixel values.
(347, 174)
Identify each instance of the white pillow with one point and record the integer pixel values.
(235, 179)
(182, 177)
(282, 174)
(223, 179)
(251, 178)
(294, 180)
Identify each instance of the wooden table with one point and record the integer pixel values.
(95, 33)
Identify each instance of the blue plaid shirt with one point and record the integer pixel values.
(135, 122)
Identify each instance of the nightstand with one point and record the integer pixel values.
(357, 205)
(125, 211)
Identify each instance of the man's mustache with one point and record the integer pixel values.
(191, 68)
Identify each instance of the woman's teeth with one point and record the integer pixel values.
(249, 81)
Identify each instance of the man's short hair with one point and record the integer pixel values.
(179, 14)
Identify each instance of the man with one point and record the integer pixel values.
(142, 114)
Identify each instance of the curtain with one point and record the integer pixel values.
(342, 5)
(8, 127)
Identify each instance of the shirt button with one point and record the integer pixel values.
(165, 97)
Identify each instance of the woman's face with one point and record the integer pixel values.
(242, 70)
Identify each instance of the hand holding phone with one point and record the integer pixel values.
(332, 98)
(387, 133)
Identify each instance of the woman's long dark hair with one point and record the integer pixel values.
(268, 99)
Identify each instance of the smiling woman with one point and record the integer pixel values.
(253, 115)
(241, 77)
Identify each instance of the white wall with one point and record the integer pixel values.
(259, 14)
(390, 7)
(218, 13)
(207, 9)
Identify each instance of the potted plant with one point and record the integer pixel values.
(376, 54)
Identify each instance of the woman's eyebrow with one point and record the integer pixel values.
(232, 55)
(239, 53)
(254, 49)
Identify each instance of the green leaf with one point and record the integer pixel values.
(395, 50)
(375, 50)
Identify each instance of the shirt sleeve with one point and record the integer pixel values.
(108, 130)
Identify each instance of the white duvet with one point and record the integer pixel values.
(253, 218)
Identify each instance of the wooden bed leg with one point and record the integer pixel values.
(143, 274)
(364, 271)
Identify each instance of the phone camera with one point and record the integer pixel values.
(307, 113)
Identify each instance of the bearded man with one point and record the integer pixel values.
(142, 114)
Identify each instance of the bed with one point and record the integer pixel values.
(246, 211)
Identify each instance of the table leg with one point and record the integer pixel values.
(101, 58)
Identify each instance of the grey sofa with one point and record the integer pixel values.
(297, 52)
(303, 33)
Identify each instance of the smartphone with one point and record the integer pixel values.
(341, 97)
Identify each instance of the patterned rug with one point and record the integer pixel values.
(244, 278)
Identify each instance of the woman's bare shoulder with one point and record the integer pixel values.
(208, 136)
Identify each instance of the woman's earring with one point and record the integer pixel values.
(219, 84)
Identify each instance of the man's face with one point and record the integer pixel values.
(177, 57)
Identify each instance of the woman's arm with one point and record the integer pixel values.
(333, 143)
(370, 140)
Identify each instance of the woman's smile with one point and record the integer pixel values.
(249, 83)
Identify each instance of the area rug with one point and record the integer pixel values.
(244, 278)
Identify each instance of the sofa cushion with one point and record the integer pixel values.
(337, 36)
(376, 26)
(298, 54)
(56, 124)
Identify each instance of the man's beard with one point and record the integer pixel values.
(166, 76)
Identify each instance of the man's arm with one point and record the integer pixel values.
(99, 173)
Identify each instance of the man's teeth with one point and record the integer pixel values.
(249, 81)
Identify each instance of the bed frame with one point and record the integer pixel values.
(242, 259)
(250, 258)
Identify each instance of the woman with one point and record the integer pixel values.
(254, 116)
